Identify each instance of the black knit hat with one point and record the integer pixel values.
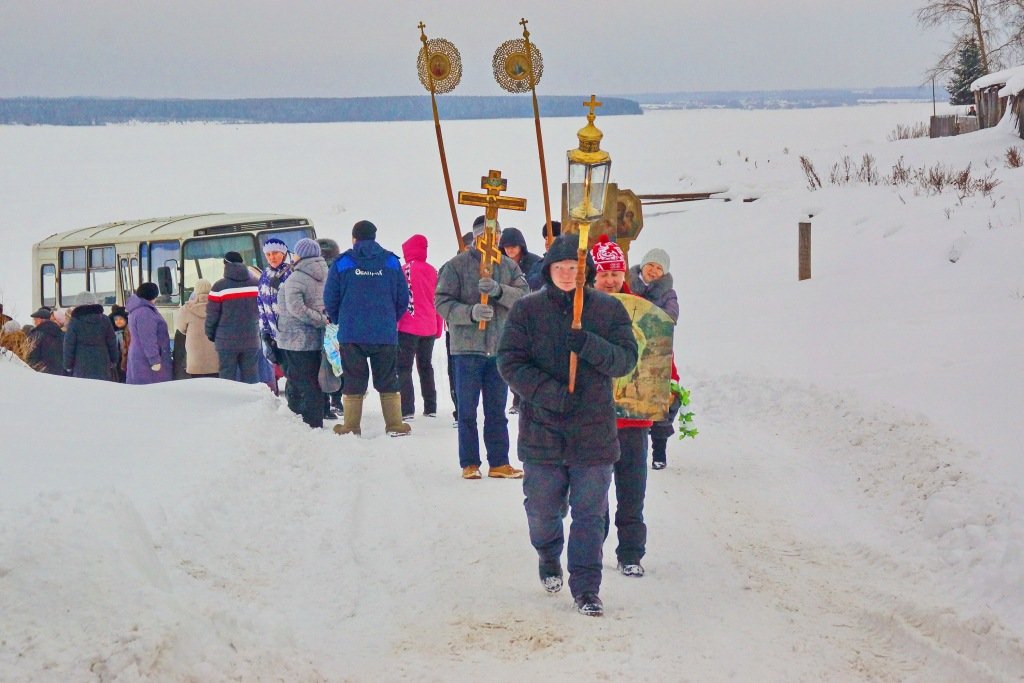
(147, 291)
(328, 248)
(364, 230)
(556, 229)
(233, 257)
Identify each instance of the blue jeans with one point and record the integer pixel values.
(630, 491)
(476, 375)
(547, 487)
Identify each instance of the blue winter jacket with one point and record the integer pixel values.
(366, 294)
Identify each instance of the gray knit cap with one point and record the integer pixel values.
(659, 256)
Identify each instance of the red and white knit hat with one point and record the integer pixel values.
(608, 255)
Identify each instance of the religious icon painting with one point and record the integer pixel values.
(644, 394)
(511, 65)
(439, 66)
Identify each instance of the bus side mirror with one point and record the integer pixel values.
(164, 281)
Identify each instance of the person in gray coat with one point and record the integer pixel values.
(301, 319)
(474, 352)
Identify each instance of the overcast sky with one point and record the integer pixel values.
(341, 48)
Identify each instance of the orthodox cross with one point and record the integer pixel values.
(492, 201)
(592, 104)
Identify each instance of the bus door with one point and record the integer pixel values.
(128, 266)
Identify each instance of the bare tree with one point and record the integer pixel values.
(997, 26)
(1012, 13)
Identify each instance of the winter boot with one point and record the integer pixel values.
(551, 576)
(353, 416)
(590, 605)
(391, 404)
(658, 447)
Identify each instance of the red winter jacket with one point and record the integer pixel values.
(422, 319)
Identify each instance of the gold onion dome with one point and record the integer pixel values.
(589, 151)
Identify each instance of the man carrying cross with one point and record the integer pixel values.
(478, 286)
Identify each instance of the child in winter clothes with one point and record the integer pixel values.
(119, 319)
(653, 281)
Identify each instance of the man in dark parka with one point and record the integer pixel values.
(47, 354)
(90, 346)
(568, 442)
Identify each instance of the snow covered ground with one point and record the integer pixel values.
(851, 510)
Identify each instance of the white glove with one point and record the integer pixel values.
(480, 312)
(155, 368)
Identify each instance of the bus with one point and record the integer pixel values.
(113, 259)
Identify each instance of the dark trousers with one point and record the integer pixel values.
(411, 348)
(476, 375)
(241, 366)
(303, 375)
(290, 395)
(359, 360)
(547, 487)
(630, 491)
(661, 431)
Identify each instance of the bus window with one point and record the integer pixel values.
(289, 236)
(72, 275)
(101, 274)
(143, 263)
(204, 258)
(165, 254)
(49, 285)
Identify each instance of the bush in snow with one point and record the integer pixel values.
(1014, 158)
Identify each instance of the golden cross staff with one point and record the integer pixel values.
(440, 69)
(487, 244)
(518, 65)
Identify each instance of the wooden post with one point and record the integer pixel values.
(805, 251)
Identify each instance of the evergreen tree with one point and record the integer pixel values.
(967, 70)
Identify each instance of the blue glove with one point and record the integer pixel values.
(575, 340)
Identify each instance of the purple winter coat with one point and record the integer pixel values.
(150, 343)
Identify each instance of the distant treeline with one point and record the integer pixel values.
(782, 99)
(89, 111)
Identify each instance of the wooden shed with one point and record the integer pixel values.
(991, 97)
(1013, 91)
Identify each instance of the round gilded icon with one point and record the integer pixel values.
(511, 65)
(440, 67)
(517, 67)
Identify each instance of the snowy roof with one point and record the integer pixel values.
(998, 78)
(1014, 85)
(172, 226)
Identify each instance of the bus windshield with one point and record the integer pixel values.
(289, 236)
(204, 258)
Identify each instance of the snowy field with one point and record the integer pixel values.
(851, 510)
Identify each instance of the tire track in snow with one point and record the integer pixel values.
(876, 582)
